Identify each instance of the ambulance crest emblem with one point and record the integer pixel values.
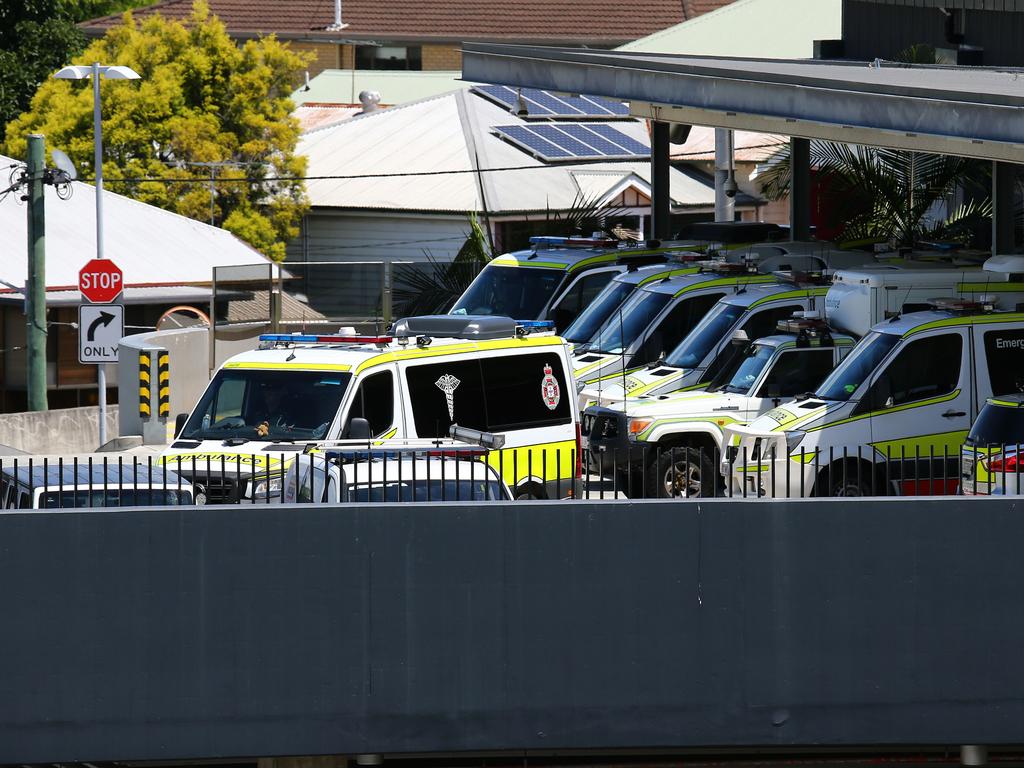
(549, 389)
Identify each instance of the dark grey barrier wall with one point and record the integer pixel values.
(235, 631)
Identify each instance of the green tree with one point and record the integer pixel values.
(886, 194)
(36, 37)
(39, 36)
(202, 99)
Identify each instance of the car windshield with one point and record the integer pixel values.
(857, 366)
(429, 490)
(587, 325)
(267, 405)
(692, 350)
(743, 370)
(626, 324)
(521, 293)
(998, 425)
(114, 497)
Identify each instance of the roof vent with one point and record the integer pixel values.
(370, 101)
(337, 26)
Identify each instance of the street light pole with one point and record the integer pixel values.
(96, 71)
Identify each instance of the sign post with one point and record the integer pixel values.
(100, 282)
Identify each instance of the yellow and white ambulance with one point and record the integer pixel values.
(492, 374)
(893, 415)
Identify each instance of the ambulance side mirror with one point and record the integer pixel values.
(179, 423)
(358, 428)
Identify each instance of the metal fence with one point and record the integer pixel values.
(382, 474)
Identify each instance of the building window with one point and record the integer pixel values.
(389, 57)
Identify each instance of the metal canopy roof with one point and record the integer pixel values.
(973, 112)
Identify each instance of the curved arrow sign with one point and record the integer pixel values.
(100, 328)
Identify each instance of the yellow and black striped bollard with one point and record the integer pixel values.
(144, 389)
(164, 383)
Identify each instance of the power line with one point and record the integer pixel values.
(342, 177)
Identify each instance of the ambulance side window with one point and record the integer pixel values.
(924, 369)
(797, 372)
(526, 392)
(757, 325)
(375, 402)
(24, 502)
(442, 394)
(582, 292)
(763, 323)
(1004, 355)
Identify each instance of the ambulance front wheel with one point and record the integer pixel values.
(848, 480)
(682, 473)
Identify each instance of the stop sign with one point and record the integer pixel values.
(100, 281)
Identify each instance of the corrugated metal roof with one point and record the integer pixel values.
(443, 141)
(774, 29)
(153, 247)
(191, 294)
(314, 116)
(342, 86)
(749, 146)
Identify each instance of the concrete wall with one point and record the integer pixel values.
(67, 430)
(168, 634)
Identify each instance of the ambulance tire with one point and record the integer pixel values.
(631, 483)
(682, 473)
(848, 483)
(528, 491)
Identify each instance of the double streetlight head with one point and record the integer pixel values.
(78, 72)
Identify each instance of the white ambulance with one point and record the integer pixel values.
(892, 417)
(754, 309)
(264, 407)
(670, 445)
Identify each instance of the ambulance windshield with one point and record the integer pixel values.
(625, 324)
(857, 367)
(267, 405)
(521, 293)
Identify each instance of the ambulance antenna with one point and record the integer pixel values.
(622, 341)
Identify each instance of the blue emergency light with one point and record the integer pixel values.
(546, 325)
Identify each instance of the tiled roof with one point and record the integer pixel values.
(567, 21)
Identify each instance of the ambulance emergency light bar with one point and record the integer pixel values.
(292, 338)
(573, 242)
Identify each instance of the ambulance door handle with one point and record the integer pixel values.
(953, 414)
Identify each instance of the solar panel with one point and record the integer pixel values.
(573, 141)
(542, 105)
(586, 134)
(632, 146)
(525, 138)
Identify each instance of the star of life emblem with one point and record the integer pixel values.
(448, 384)
(549, 389)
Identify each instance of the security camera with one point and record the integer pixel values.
(730, 188)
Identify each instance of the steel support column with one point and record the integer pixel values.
(800, 189)
(661, 223)
(725, 204)
(1004, 178)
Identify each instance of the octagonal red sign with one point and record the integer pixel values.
(100, 281)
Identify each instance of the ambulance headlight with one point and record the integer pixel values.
(264, 488)
(793, 439)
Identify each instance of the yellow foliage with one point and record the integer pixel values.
(201, 99)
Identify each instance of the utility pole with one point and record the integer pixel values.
(35, 291)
